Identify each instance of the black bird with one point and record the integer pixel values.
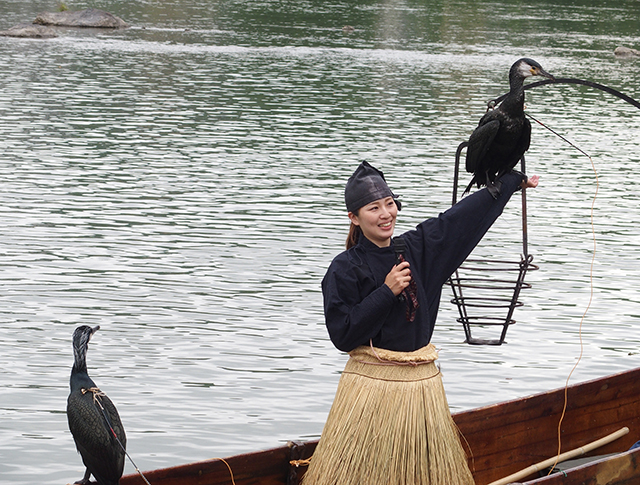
(93, 419)
(504, 133)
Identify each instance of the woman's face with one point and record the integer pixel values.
(377, 220)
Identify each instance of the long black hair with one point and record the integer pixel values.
(354, 234)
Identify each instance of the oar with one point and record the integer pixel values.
(562, 457)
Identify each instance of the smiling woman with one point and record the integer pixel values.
(372, 206)
(377, 220)
(381, 299)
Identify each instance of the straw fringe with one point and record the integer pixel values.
(390, 425)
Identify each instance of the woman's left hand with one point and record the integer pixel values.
(531, 182)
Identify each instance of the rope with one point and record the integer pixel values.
(387, 379)
(563, 139)
(230, 471)
(593, 257)
(97, 394)
(382, 361)
(631, 101)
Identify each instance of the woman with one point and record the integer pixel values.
(390, 421)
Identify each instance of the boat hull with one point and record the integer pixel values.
(502, 439)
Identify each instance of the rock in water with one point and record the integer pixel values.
(30, 31)
(626, 52)
(91, 17)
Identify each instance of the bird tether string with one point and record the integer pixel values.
(593, 257)
(230, 471)
(97, 394)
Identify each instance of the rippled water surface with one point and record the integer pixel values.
(180, 183)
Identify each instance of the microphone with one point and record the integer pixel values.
(399, 247)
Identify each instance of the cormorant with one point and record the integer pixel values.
(503, 134)
(93, 419)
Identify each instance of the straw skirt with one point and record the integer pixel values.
(390, 424)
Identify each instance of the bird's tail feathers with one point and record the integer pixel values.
(466, 191)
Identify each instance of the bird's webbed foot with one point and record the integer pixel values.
(85, 480)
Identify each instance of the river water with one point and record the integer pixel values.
(179, 183)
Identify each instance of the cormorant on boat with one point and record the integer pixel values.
(93, 419)
(504, 133)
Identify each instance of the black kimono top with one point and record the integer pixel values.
(359, 307)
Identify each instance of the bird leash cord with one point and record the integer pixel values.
(97, 395)
(593, 258)
(631, 101)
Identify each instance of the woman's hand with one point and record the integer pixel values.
(531, 182)
(398, 278)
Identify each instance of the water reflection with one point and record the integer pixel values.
(182, 188)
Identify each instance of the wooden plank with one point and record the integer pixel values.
(551, 462)
(622, 469)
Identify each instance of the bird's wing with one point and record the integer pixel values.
(100, 452)
(522, 146)
(526, 135)
(479, 142)
(114, 419)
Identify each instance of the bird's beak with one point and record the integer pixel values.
(95, 329)
(543, 73)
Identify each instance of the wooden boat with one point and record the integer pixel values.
(502, 438)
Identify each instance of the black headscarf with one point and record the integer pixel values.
(364, 186)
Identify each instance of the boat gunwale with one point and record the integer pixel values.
(272, 466)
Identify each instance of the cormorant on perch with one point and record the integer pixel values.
(93, 419)
(503, 134)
